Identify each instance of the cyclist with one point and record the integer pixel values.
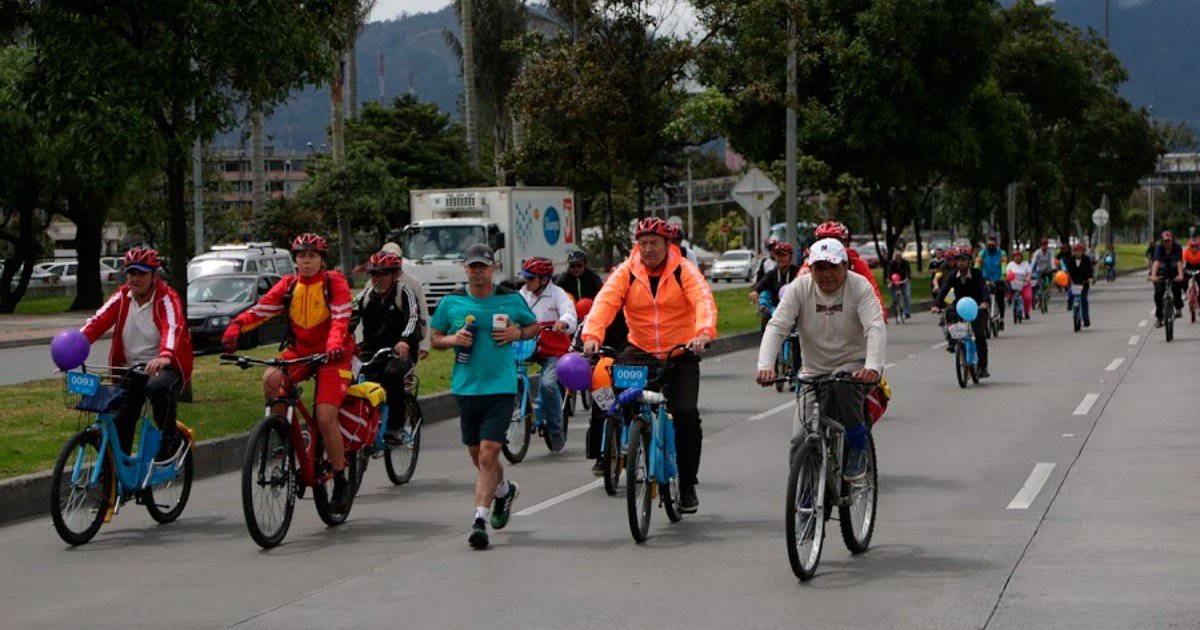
(935, 267)
(1110, 262)
(579, 280)
(833, 229)
(677, 240)
(551, 306)
(1042, 262)
(1021, 282)
(1167, 268)
(146, 317)
(841, 330)
(390, 316)
(666, 302)
(766, 264)
(1191, 259)
(317, 304)
(484, 383)
(966, 281)
(897, 266)
(783, 273)
(414, 284)
(1079, 268)
(991, 261)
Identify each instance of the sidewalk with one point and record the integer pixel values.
(18, 331)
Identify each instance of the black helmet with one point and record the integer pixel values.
(577, 256)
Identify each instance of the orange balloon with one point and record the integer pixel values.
(602, 373)
(1061, 278)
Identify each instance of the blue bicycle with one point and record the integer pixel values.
(651, 468)
(787, 362)
(966, 358)
(527, 410)
(400, 454)
(93, 478)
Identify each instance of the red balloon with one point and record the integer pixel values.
(1012, 275)
(896, 278)
(583, 307)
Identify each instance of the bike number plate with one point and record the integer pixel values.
(83, 384)
(630, 376)
(604, 397)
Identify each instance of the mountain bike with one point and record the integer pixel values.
(284, 457)
(399, 455)
(526, 419)
(815, 484)
(93, 477)
(651, 469)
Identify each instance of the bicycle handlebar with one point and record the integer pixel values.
(824, 379)
(246, 363)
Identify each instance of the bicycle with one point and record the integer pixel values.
(995, 314)
(527, 411)
(1193, 291)
(1076, 295)
(1110, 273)
(614, 439)
(399, 457)
(93, 477)
(1043, 293)
(897, 307)
(1018, 305)
(788, 357)
(284, 457)
(966, 355)
(651, 469)
(818, 457)
(1168, 309)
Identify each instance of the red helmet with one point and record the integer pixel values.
(1167, 235)
(142, 257)
(784, 248)
(1044, 241)
(384, 261)
(676, 233)
(310, 242)
(1077, 247)
(583, 307)
(537, 266)
(833, 229)
(655, 226)
(963, 252)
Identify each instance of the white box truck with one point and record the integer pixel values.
(516, 222)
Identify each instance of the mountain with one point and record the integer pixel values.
(1155, 39)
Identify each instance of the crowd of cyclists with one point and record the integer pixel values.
(656, 300)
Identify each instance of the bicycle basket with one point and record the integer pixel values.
(1076, 289)
(959, 330)
(523, 349)
(86, 390)
(106, 400)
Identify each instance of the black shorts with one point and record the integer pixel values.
(485, 417)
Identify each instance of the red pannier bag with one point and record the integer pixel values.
(877, 401)
(358, 417)
(552, 343)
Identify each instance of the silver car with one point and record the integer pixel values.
(735, 264)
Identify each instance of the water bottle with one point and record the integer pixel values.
(463, 354)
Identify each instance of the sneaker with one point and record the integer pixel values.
(168, 448)
(1178, 313)
(1087, 324)
(856, 464)
(1158, 323)
(908, 316)
(340, 502)
(688, 501)
(479, 536)
(598, 468)
(950, 348)
(983, 373)
(394, 438)
(502, 508)
(557, 442)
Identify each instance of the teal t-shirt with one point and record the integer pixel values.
(491, 369)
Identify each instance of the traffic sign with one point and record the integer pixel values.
(1100, 217)
(755, 192)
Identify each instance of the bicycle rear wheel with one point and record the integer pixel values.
(520, 427)
(857, 519)
(165, 501)
(638, 486)
(323, 492)
(78, 506)
(401, 459)
(611, 459)
(805, 515)
(268, 482)
(960, 364)
(1169, 319)
(1078, 319)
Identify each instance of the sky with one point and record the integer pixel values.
(678, 17)
(390, 9)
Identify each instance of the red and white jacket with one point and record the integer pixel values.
(175, 341)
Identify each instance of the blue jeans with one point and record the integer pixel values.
(551, 398)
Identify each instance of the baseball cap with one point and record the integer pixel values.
(479, 253)
(828, 250)
(140, 267)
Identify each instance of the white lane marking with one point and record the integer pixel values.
(1086, 405)
(1068, 435)
(938, 346)
(772, 411)
(1134, 339)
(1142, 324)
(566, 496)
(889, 366)
(1033, 485)
(1116, 363)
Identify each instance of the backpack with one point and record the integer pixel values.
(289, 336)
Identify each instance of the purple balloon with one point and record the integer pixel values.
(69, 349)
(575, 372)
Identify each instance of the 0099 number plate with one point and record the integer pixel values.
(630, 376)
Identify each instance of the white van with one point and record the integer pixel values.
(247, 258)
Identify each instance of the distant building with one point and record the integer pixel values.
(286, 173)
(112, 239)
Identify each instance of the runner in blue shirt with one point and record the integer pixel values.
(991, 262)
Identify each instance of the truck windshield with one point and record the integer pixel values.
(441, 242)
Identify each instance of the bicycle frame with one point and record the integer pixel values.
(133, 472)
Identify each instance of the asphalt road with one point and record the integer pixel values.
(966, 536)
(31, 363)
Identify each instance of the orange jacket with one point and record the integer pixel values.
(677, 313)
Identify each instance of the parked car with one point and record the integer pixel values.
(260, 258)
(62, 272)
(868, 253)
(214, 300)
(704, 257)
(735, 264)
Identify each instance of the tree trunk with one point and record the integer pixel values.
(469, 92)
(26, 249)
(352, 70)
(610, 228)
(89, 218)
(257, 161)
(337, 133)
(178, 159)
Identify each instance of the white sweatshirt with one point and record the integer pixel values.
(553, 305)
(837, 331)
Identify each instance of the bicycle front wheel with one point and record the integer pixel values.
(401, 459)
(165, 501)
(857, 519)
(268, 483)
(611, 459)
(638, 487)
(805, 514)
(520, 427)
(78, 506)
(670, 499)
(960, 364)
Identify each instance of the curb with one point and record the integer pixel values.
(29, 495)
(35, 341)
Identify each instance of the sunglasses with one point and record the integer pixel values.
(576, 265)
(379, 274)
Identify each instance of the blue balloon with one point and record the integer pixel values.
(967, 309)
(69, 349)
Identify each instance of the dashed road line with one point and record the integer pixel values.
(1033, 485)
(1133, 341)
(1116, 363)
(1086, 405)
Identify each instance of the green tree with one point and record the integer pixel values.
(359, 190)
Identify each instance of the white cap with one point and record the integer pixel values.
(828, 250)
